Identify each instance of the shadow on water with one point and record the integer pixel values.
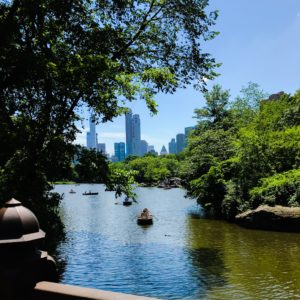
(208, 266)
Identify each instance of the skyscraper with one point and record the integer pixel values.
(101, 147)
(119, 151)
(128, 128)
(187, 132)
(91, 137)
(136, 135)
(180, 142)
(133, 134)
(172, 147)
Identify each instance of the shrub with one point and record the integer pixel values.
(279, 189)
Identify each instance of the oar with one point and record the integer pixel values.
(155, 217)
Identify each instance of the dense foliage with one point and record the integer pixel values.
(59, 56)
(151, 169)
(90, 166)
(246, 152)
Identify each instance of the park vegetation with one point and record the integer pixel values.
(58, 58)
(242, 153)
(245, 152)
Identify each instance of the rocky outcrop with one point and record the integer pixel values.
(278, 218)
(173, 182)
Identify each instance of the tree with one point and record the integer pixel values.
(252, 95)
(244, 154)
(216, 105)
(121, 181)
(246, 105)
(91, 166)
(58, 56)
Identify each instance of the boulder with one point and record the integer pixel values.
(277, 218)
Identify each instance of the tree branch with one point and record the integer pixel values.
(141, 29)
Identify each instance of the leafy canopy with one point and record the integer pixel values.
(59, 56)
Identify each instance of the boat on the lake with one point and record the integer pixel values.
(90, 193)
(145, 218)
(72, 191)
(127, 202)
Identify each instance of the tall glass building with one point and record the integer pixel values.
(136, 135)
(187, 132)
(133, 134)
(128, 129)
(119, 151)
(172, 147)
(180, 142)
(91, 137)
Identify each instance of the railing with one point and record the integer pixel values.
(55, 291)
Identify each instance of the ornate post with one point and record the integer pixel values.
(22, 265)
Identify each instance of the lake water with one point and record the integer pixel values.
(180, 256)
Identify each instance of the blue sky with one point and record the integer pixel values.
(259, 41)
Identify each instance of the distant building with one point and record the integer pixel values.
(136, 135)
(180, 142)
(128, 129)
(153, 152)
(172, 147)
(187, 132)
(101, 147)
(119, 154)
(133, 134)
(113, 158)
(163, 151)
(91, 137)
(150, 148)
(276, 96)
(144, 147)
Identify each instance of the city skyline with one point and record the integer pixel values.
(134, 145)
(268, 57)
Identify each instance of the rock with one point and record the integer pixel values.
(277, 218)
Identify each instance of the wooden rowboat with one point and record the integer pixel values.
(145, 218)
(90, 193)
(145, 221)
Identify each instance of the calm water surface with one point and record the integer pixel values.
(180, 256)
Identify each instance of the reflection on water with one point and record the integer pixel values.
(256, 264)
(207, 267)
(181, 256)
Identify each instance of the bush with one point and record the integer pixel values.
(209, 190)
(233, 202)
(279, 189)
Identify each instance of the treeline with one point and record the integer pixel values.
(152, 169)
(242, 153)
(245, 152)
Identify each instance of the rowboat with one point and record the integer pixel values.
(145, 218)
(90, 193)
(126, 202)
